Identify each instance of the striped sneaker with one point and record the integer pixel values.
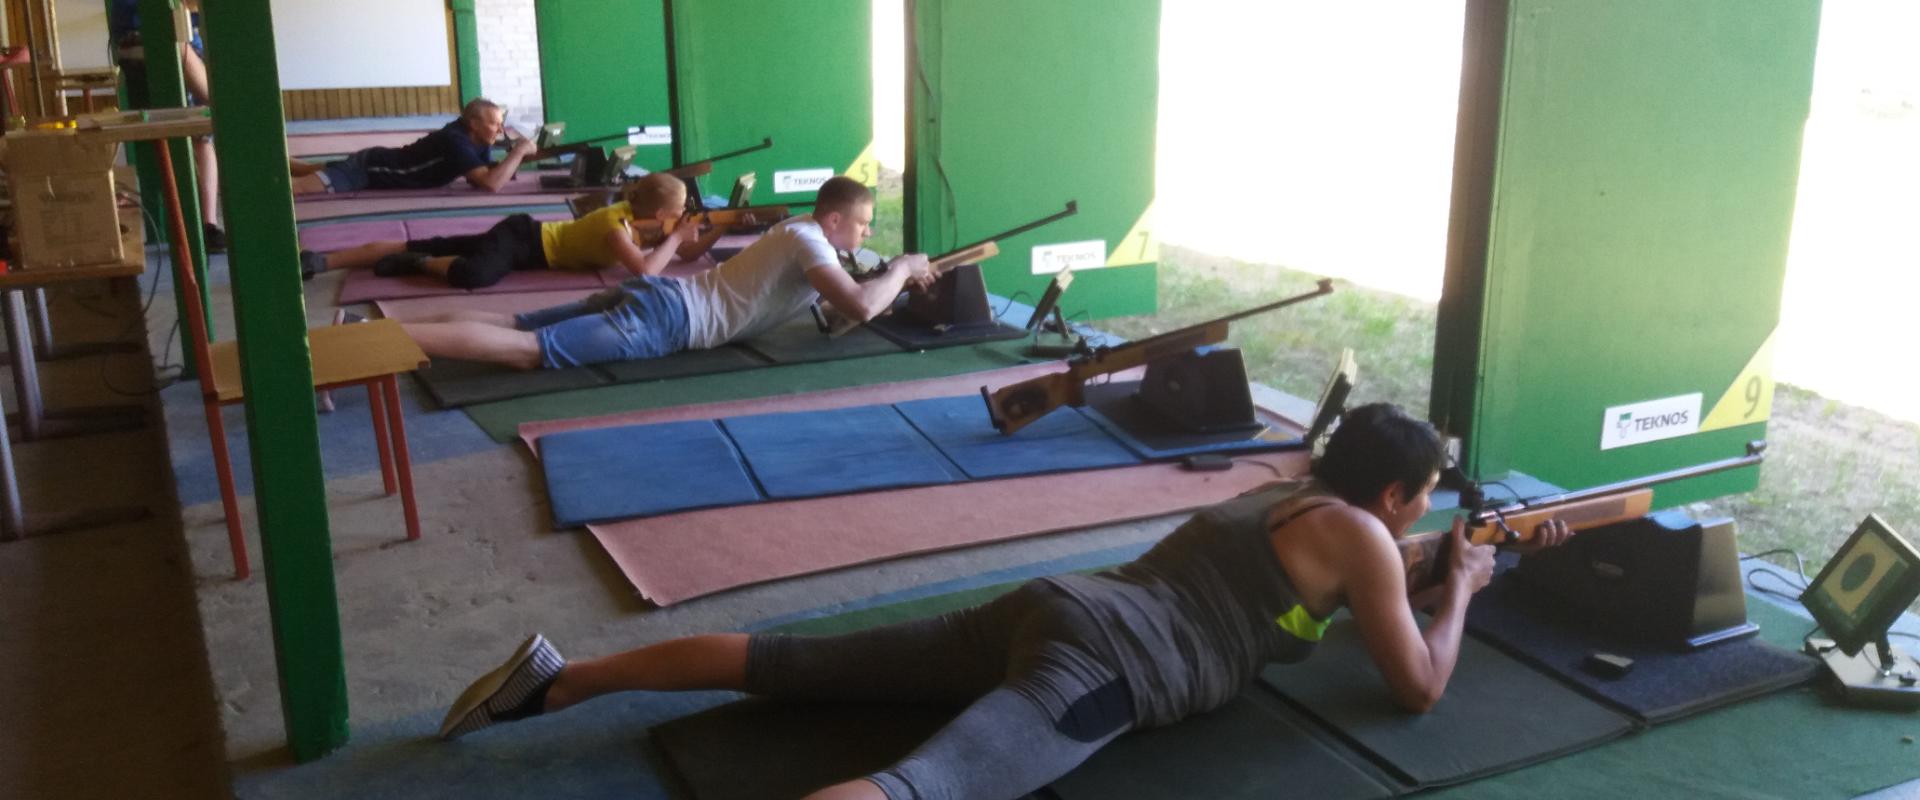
(508, 692)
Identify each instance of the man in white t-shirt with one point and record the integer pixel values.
(649, 316)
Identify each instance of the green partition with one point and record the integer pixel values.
(801, 73)
(1624, 189)
(603, 70)
(1014, 108)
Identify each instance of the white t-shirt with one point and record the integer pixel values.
(763, 286)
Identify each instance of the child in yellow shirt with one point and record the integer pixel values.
(610, 236)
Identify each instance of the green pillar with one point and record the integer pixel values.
(466, 38)
(166, 89)
(277, 372)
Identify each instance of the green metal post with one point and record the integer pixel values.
(466, 37)
(167, 89)
(277, 373)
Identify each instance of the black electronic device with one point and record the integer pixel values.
(592, 167)
(1052, 338)
(1333, 398)
(1203, 390)
(1207, 462)
(957, 298)
(742, 191)
(1664, 579)
(1856, 598)
(1607, 665)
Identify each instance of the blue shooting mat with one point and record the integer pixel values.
(604, 474)
(1062, 440)
(837, 451)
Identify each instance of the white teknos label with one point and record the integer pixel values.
(1077, 256)
(800, 180)
(652, 134)
(1650, 421)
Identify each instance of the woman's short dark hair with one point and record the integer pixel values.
(1375, 445)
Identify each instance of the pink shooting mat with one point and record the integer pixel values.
(411, 308)
(302, 145)
(524, 184)
(677, 557)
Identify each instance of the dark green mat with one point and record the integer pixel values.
(501, 420)
(799, 341)
(1793, 744)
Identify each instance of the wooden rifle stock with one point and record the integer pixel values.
(727, 216)
(1014, 406)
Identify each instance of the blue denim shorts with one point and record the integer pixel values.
(644, 317)
(346, 175)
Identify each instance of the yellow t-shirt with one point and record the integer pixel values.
(581, 244)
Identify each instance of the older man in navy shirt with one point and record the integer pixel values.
(459, 150)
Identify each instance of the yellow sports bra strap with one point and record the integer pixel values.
(1301, 624)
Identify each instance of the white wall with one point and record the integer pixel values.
(347, 44)
(81, 27)
(510, 60)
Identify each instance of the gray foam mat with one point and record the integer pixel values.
(1663, 685)
(799, 341)
(757, 748)
(1250, 749)
(1498, 714)
(454, 383)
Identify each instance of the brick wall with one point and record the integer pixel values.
(510, 59)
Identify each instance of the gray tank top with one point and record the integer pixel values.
(1192, 621)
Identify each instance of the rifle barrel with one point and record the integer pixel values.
(1756, 452)
(1325, 287)
(1073, 207)
(764, 144)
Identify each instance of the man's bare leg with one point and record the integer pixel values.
(477, 341)
(493, 318)
(308, 184)
(363, 256)
(298, 168)
(208, 166)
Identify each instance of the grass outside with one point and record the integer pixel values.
(1828, 464)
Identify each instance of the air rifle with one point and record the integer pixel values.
(552, 150)
(1503, 522)
(1013, 406)
(704, 166)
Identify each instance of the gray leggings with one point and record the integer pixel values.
(1037, 700)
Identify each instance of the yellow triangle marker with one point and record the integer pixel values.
(1750, 398)
(865, 168)
(1139, 246)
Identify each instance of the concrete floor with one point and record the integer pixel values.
(126, 639)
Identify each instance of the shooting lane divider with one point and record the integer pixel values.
(1139, 246)
(865, 167)
(1750, 398)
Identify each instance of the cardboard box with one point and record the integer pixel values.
(63, 200)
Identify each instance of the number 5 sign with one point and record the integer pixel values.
(1750, 398)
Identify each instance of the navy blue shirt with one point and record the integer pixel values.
(432, 161)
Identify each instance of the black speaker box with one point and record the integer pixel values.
(1663, 579)
(1202, 391)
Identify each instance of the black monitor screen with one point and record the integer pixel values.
(742, 191)
(1050, 299)
(1866, 586)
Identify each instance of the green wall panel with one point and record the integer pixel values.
(603, 69)
(801, 73)
(1015, 107)
(1622, 234)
